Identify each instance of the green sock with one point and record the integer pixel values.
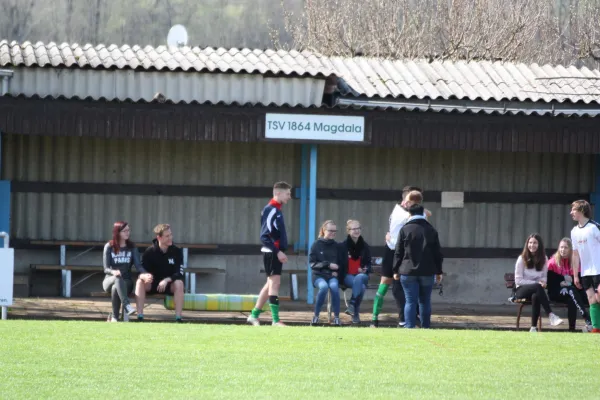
(256, 312)
(274, 311)
(378, 304)
(595, 315)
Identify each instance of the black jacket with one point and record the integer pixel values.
(163, 265)
(418, 251)
(324, 252)
(359, 249)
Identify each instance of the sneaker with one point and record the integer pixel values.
(350, 310)
(278, 323)
(129, 309)
(375, 324)
(315, 320)
(587, 328)
(356, 319)
(555, 319)
(401, 324)
(336, 321)
(140, 317)
(533, 329)
(178, 319)
(253, 321)
(511, 299)
(595, 330)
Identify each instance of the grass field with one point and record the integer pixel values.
(97, 360)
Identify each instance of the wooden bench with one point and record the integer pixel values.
(66, 270)
(509, 281)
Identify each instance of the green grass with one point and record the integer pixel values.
(97, 360)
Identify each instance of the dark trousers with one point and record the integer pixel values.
(537, 295)
(571, 296)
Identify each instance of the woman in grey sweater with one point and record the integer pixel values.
(119, 255)
(531, 270)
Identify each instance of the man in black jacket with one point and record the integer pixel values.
(417, 263)
(164, 262)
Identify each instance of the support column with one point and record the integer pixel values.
(595, 196)
(312, 216)
(301, 244)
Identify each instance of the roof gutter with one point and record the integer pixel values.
(501, 107)
(5, 74)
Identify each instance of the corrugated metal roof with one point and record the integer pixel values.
(162, 58)
(175, 86)
(474, 80)
(363, 77)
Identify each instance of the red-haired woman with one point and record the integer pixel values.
(119, 255)
(531, 275)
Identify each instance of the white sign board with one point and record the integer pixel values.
(315, 127)
(453, 199)
(7, 269)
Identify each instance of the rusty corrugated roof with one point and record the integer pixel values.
(365, 77)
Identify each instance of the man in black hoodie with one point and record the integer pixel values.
(164, 261)
(417, 263)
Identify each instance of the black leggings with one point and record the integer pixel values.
(536, 293)
(575, 304)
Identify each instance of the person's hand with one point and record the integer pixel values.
(362, 270)
(334, 274)
(162, 285)
(396, 277)
(333, 267)
(578, 282)
(564, 284)
(146, 278)
(568, 279)
(388, 237)
(439, 278)
(116, 272)
(543, 284)
(282, 257)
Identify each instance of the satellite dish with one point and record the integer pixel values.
(177, 36)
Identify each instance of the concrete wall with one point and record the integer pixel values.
(468, 281)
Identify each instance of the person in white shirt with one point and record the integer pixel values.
(531, 277)
(586, 254)
(398, 218)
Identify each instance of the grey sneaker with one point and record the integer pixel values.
(315, 320)
(555, 319)
(336, 321)
(587, 328)
(533, 329)
(253, 321)
(356, 319)
(129, 309)
(350, 310)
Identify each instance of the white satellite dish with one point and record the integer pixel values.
(177, 36)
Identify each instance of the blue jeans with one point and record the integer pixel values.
(358, 284)
(417, 290)
(323, 287)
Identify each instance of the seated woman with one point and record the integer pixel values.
(357, 268)
(531, 272)
(326, 259)
(561, 288)
(118, 257)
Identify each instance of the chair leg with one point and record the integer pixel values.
(519, 314)
(329, 319)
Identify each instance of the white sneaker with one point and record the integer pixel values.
(555, 319)
(533, 329)
(113, 319)
(129, 309)
(253, 321)
(587, 329)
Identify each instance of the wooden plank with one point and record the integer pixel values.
(131, 295)
(91, 268)
(204, 270)
(290, 271)
(101, 244)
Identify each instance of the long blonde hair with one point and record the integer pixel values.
(557, 256)
(322, 229)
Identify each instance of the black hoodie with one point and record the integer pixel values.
(323, 253)
(418, 251)
(163, 265)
